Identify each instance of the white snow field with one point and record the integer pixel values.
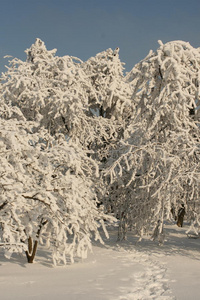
(117, 271)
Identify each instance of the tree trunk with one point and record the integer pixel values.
(181, 213)
(30, 254)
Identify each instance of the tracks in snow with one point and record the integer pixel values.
(150, 283)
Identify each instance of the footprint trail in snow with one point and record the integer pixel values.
(150, 283)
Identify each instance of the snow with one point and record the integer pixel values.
(117, 271)
(60, 121)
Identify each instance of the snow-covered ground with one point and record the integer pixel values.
(118, 271)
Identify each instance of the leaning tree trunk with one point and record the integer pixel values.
(32, 248)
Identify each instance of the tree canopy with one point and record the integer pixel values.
(81, 141)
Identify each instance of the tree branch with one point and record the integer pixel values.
(4, 204)
(160, 73)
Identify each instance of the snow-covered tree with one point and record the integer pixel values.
(112, 92)
(110, 97)
(60, 93)
(48, 192)
(157, 167)
(61, 118)
(47, 88)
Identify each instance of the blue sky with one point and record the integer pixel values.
(83, 28)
